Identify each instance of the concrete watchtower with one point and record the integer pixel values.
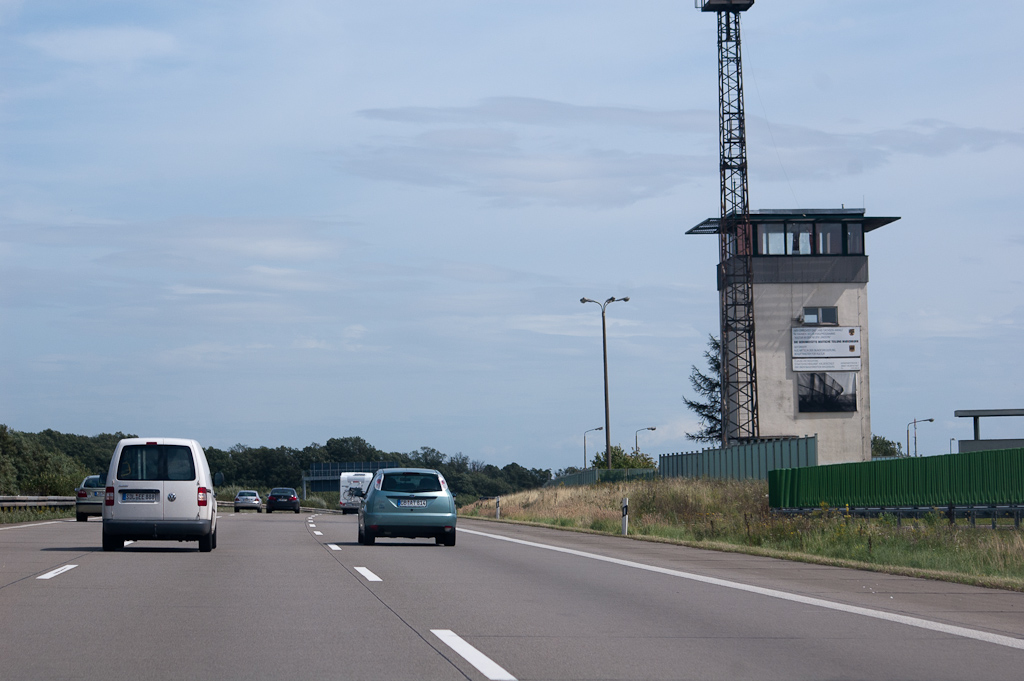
(810, 275)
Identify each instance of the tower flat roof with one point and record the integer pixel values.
(975, 413)
(725, 5)
(711, 225)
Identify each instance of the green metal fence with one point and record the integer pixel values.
(741, 462)
(592, 476)
(969, 479)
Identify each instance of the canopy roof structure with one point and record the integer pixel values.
(840, 215)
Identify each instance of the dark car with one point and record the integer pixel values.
(282, 499)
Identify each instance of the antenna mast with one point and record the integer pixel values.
(735, 268)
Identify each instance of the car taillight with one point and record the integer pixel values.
(108, 500)
(201, 496)
(444, 483)
(82, 494)
(377, 482)
(293, 498)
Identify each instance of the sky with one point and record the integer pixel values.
(274, 223)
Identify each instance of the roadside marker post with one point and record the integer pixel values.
(625, 516)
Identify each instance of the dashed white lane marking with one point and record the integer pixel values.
(129, 542)
(370, 577)
(484, 664)
(964, 632)
(311, 525)
(53, 573)
(334, 547)
(318, 533)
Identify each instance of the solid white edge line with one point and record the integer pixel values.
(318, 533)
(484, 664)
(48, 522)
(53, 573)
(334, 547)
(998, 639)
(370, 577)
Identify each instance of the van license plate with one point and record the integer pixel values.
(138, 496)
(419, 503)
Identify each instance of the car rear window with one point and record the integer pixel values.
(93, 481)
(282, 492)
(156, 462)
(411, 482)
(247, 494)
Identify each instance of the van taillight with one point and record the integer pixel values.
(108, 500)
(201, 498)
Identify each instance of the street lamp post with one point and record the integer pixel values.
(604, 346)
(914, 423)
(585, 445)
(636, 436)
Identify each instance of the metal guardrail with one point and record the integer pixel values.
(951, 513)
(36, 502)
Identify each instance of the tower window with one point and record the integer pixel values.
(821, 316)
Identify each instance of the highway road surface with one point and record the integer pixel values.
(288, 596)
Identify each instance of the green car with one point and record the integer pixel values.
(407, 502)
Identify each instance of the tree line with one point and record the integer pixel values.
(53, 463)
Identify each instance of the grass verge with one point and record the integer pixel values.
(727, 515)
(28, 515)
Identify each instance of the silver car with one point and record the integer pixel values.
(89, 498)
(248, 498)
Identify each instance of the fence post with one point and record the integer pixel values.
(625, 516)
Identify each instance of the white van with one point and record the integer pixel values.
(349, 502)
(159, 488)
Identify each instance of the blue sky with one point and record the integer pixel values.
(279, 222)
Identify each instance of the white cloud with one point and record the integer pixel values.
(124, 44)
(311, 344)
(509, 159)
(183, 290)
(283, 279)
(212, 353)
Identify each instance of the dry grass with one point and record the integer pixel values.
(730, 515)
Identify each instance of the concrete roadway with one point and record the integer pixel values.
(275, 601)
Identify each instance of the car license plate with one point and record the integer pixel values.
(138, 496)
(418, 503)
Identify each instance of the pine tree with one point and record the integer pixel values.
(708, 404)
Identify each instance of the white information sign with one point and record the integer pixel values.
(819, 364)
(826, 341)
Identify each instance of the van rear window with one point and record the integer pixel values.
(156, 462)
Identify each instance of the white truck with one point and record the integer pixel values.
(349, 503)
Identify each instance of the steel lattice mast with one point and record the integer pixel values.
(735, 268)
